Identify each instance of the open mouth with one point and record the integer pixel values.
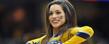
(55, 21)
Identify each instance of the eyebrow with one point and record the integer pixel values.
(57, 11)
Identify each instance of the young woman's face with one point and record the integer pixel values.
(57, 16)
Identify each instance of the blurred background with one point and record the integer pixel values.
(22, 20)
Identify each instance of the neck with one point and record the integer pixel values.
(55, 31)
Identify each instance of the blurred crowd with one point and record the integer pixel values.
(21, 20)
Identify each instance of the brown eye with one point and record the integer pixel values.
(58, 12)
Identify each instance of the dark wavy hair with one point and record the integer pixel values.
(70, 16)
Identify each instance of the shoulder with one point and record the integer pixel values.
(85, 29)
(36, 41)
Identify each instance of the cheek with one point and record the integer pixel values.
(49, 18)
(62, 19)
(62, 15)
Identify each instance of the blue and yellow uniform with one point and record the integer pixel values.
(75, 35)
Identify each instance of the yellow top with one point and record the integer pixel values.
(75, 35)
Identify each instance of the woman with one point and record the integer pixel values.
(61, 25)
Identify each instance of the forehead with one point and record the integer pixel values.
(55, 7)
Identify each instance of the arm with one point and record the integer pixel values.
(81, 34)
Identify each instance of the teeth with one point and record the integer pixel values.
(55, 21)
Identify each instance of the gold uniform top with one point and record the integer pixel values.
(75, 35)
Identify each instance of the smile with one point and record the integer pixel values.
(55, 21)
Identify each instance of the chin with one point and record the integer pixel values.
(55, 26)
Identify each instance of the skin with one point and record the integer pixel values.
(57, 17)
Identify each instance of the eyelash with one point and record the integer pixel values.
(58, 12)
(50, 13)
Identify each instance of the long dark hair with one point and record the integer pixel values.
(70, 16)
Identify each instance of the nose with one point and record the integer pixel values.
(54, 16)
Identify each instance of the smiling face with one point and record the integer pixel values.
(57, 16)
